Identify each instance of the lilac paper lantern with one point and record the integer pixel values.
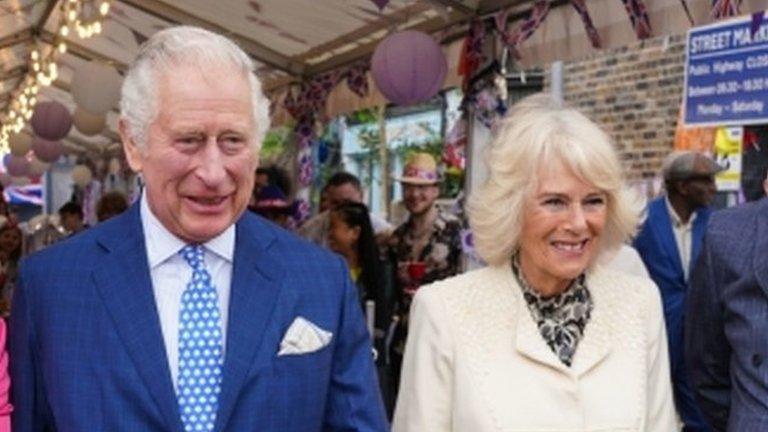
(409, 67)
(51, 120)
(47, 151)
(16, 166)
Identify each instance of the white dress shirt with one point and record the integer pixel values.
(170, 275)
(683, 236)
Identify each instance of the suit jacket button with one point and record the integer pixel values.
(757, 360)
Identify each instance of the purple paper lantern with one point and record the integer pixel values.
(16, 166)
(47, 151)
(409, 67)
(51, 120)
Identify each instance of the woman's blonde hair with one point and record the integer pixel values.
(537, 131)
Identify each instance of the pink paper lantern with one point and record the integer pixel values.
(409, 67)
(47, 151)
(17, 166)
(51, 120)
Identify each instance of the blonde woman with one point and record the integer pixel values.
(543, 339)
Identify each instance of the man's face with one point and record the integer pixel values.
(199, 160)
(337, 195)
(700, 187)
(419, 198)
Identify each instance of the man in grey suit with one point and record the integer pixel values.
(726, 320)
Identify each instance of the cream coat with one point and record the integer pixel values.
(475, 361)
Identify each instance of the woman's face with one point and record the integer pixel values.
(10, 240)
(342, 238)
(562, 223)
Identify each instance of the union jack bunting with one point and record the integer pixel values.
(526, 29)
(725, 8)
(581, 8)
(638, 16)
(357, 79)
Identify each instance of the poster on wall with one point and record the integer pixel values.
(726, 73)
(727, 154)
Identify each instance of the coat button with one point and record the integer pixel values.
(757, 360)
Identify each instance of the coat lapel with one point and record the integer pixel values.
(124, 283)
(528, 339)
(697, 235)
(595, 345)
(256, 285)
(661, 222)
(759, 256)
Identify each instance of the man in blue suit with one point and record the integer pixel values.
(187, 313)
(669, 242)
(726, 329)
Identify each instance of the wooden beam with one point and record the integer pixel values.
(83, 52)
(50, 6)
(433, 25)
(260, 52)
(16, 38)
(430, 26)
(16, 72)
(455, 4)
(491, 6)
(383, 23)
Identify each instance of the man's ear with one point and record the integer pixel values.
(133, 153)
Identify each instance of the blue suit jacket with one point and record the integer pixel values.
(658, 249)
(88, 354)
(726, 332)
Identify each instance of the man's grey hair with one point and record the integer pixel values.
(183, 45)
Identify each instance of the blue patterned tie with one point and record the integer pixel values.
(200, 347)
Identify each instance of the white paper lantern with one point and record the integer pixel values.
(87, 123)
(81, 175)
(96, 87)
(20, 144)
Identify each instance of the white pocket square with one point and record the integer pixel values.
(303, 337)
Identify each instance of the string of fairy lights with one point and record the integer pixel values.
(81, 17)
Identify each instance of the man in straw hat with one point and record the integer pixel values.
(427, 247)
(669, 242)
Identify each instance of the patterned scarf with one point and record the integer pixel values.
(561, 319)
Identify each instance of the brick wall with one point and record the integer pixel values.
(634, 93)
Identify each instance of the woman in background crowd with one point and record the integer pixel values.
(10, 254)
(542, 339)
(5, 383)
(351, 235)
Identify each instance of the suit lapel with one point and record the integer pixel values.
(661, 223)
(759, 257)
(124, 283)
(697, 235)
(256, 284)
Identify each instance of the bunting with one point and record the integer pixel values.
(521, 33)
(725, 8)
(357, 79)
(589, 26)
(472, 55)
(638, 16)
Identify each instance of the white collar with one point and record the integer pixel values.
(676, 222)
(162, 244)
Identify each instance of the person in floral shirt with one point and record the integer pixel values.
(424, 249)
